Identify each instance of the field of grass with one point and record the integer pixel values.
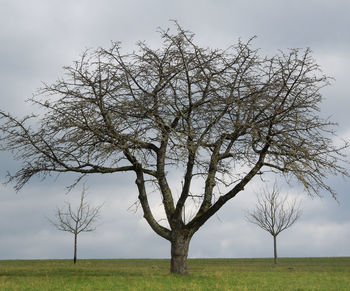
(206, 274)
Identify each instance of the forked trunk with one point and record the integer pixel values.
(179, 253)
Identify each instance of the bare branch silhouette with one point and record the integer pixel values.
(274, 213)
(75, 221)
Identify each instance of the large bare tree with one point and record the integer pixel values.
(219, 117)
(76, 221)
(274, 213)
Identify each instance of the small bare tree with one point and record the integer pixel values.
(274, 214)
(80, 220)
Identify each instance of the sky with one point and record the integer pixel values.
(39, 37)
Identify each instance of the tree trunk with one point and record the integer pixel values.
(179, 253)
(75, 248)
(275, 249)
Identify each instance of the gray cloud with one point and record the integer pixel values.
(39, 37)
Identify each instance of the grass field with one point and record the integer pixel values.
(206, 274)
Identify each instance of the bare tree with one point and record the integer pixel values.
(274, 214)
(219, 117)
(82, 219)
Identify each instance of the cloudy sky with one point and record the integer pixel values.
(38, 37)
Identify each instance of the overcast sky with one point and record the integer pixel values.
(39, 37)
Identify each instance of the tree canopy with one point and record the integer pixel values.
(219, 116)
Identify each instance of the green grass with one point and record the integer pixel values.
(206, 274)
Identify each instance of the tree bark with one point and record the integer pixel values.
(179, 252)
(75, 248)
(275, 249)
